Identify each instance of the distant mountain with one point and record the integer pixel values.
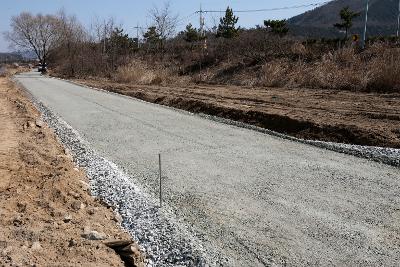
(28, 54)
(17, 56)
(10, 57)
(382, 19)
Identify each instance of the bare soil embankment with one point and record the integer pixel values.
(47, 217)
(328, 115)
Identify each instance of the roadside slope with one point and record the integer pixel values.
(45, 206)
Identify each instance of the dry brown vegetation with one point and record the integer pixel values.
(375, 69)
(254, 57)
(139, 72)
(293, 65)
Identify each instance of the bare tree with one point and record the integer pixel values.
(164, 21)
(35, 32)
(73, 36)
(71, 30)
(102, 30)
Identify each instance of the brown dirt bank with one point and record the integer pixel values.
(328, 115)
(45, 207)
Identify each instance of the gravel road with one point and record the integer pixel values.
(258, 199)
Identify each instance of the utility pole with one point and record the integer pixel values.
(104, 38)
(365, 26)
(201, 22)
(137, 35)
(398, 22)
(201, 36)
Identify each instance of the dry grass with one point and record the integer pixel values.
(376, 69)
(139, 73)
(385, 74)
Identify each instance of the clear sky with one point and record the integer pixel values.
(130, 12)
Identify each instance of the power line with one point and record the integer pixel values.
(267, 9)
(186, 18)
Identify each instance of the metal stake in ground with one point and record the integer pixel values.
(159, 168)
(365, 25)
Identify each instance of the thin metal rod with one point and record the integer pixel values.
(159, 167)
(137, 35)
(398, 22)
(365, 26)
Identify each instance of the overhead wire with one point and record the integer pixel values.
(267, 9)
(185, 18)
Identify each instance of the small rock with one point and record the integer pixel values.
(67, 218)
(73, 194)
(39, 123)
(17, 222)
(72, 243)
(91, 211)
(30, 124)
(117, 218)
(85, 186)
(21, 207)
(6, 251)
(36, 246)
(67, 152)
(86, 229)
(94, 235)
(136, 251)
(77, 205)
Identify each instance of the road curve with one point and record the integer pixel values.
(259, 199)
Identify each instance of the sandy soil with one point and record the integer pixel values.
(45, 206)
(339, 116)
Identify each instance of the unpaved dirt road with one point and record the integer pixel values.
(260, 199)
(328, 115)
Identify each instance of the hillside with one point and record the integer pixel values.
(319, 22)
(10, 57)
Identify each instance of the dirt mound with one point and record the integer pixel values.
(47, 217)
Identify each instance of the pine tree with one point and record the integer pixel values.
(191, 34)
(227, 28)
(120, 43)
(278, 27)
(152, 37)
(347, 17)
